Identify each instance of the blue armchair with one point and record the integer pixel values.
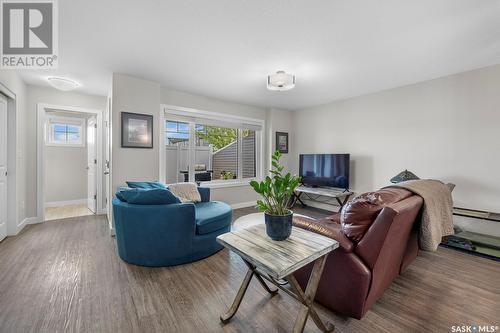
(170, 234)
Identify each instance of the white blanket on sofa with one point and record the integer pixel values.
(437, 212)
(186, 192)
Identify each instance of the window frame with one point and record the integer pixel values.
(194, 117)
(166, 131)
(58, 120)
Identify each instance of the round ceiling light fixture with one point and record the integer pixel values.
(62, 84)
(280, 81)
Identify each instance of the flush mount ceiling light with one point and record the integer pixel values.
(280, 81)
(62, 84)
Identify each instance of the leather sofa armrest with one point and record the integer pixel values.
(326, 228)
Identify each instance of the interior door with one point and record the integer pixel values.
(3, 167)
(107, 168)
(91, 164)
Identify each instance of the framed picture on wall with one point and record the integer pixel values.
(282, 142)
(137, 130)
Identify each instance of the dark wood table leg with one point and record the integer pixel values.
(307, 298)
(264, 285)
(226, 317)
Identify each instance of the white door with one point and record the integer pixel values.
(3, 167)
(108, 157)
(91, 165)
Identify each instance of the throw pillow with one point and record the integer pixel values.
(358, 215)
(142, 196)
(132, 184)
(186, 192)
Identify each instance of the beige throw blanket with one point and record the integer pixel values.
(186, 192)
(437, 213)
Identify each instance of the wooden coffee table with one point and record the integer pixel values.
(276, 261)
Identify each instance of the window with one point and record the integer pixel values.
(224, 154)
(176, 132)
(65, 131)
(217, 148)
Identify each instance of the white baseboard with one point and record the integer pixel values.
(243, 204)
(20, 226)
(33, 220)
(28, 220)
(65, 203)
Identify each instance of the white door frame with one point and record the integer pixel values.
(92, 129)
(13, 223)
(40, 159)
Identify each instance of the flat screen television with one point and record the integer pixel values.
(330, 170)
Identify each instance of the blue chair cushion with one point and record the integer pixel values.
(142, 196)
(146, 184)
(212, 216)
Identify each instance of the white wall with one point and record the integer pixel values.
(65, 168)
(131, 94)
(65, 173)
(177, 98)
(445, 129)
(280, 121)
(37, 95)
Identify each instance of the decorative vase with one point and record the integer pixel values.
(279, 227)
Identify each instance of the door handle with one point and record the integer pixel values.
(106, 172)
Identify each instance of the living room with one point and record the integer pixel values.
(250, 167)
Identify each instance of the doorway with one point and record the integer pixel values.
(69, 162)
(3, 167)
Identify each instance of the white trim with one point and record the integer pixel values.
(20, 226)
(191, 112)
(13, 159)
(227, 183)
(191, 152)
(52, 120)
(32, 220)
(243, 204)
(40, 167)
(161, 151)
(178, 112)
(239, 156)
(65, 203)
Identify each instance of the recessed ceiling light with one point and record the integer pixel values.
(280, 81)
(62, 84)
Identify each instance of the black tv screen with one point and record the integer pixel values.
(330, 170)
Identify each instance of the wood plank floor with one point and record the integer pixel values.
(67, 277)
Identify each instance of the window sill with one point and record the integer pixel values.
(223, 184)
(68, 145)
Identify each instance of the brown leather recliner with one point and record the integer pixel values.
(378, 239)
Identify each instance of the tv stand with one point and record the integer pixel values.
(341, 196)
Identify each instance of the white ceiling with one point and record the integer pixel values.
(225, 48)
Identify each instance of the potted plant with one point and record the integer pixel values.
(276, 191)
